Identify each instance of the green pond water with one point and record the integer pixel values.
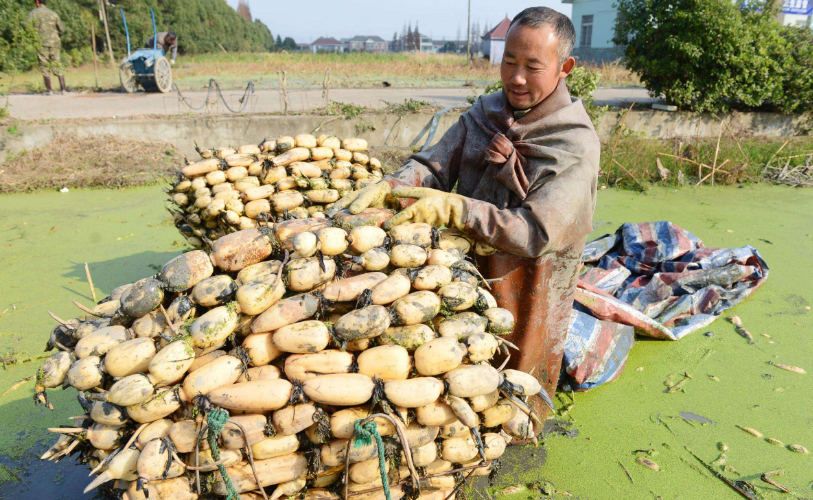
(46, 238)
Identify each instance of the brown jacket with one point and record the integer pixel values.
(532, 197)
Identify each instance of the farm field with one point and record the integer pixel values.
(307, 70)
(125, 235)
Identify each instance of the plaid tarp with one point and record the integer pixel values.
(654, 279)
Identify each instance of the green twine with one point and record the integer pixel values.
(216, 420)
(364, 437)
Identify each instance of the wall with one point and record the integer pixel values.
(497, 49)
(796, 19)
(597, 55)
(603, 14)
(410, 131)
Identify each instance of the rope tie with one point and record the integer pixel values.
(216, 421)
(365, 434)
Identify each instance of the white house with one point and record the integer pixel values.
(594, 21)
(595, 24)
(363, 43)
(494, 42)
(327, 44)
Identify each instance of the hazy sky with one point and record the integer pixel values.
(307, 20)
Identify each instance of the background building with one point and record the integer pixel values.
(426, 43)
(797, 13)
(327, 44)
(494, 41)
(361, 43)
(595, 24)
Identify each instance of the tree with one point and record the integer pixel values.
(278, 42)
(475, 37)
(705, 55)
(416, 40)
(289, 44)
(201, 25)
(244, 10)
(409, 38)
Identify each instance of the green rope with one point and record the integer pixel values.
(216, 420)
(364, 437)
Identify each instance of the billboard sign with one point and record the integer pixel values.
(803, 7)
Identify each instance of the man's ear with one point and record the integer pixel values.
(567, 67)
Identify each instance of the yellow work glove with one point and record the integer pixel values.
(357, 201)
(433, 207)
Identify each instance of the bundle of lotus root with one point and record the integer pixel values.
(292, 177)
(287, 360)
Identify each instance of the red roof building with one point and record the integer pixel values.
(494, 41)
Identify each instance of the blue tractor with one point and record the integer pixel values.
(146, 67)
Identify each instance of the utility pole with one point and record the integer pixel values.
(103, 14)
(468, 35)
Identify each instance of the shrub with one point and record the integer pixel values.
(798, 82)
(202, 26)
(581, 82)
(711, 55)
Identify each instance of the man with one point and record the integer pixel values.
(167, 40)
(49, 28)
(525, 162)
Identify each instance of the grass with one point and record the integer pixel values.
(122, 235)
(304, 70)
(741, 159)
(307, 70)
(109, 162)
(614, 74)
(99, 161)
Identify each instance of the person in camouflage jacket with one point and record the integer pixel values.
(49, 28)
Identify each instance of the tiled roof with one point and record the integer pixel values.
(362, 38)
(327, 41)
(499, 31)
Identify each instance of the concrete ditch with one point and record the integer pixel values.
(380, 130)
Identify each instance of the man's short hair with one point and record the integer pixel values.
(41, 2)
(537, 17)
(172, 35)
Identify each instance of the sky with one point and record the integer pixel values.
(307, 20)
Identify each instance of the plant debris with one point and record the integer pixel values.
(101, 161)
(794, 369)
(750, 431)
(648, 463)
(737, 322)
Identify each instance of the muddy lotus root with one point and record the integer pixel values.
(278, 340)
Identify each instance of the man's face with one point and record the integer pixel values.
(530, 68)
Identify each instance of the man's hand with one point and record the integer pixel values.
(172, 62)
(357, 201)
(433, 207)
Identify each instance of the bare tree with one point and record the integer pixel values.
(402, 43)
(244, 10)
(475, 37)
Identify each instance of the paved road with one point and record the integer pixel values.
(120, 105)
